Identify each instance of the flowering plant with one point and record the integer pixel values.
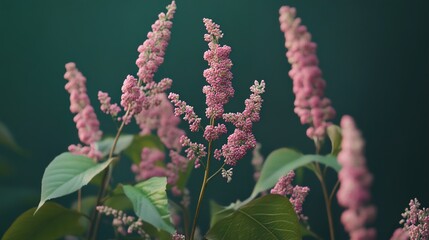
(157, 204)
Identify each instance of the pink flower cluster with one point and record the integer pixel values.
(122, 221)
(400, 234)
(311, 105)
(152, 51)
(148, 166)
(416, 221)
(195, 151)
(354, 192)
(163, 120)
(178, 164)
(220, 90)
(182, 108)
(242, 139)
(297, 193)
(86, 121)
(132, 98)
(106, 106)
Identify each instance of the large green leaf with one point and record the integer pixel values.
(68, 173)
(149, 199)
(106, 144)
(218, 212)
(334, 134)
(52, 221)
(139, 142)
(283, 160)
(271, 217)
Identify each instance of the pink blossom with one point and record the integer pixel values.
(212, 133)
(182, 108)
(195, 151)
(311, 105)
(162, 119)
(152, 51)
(354, 192)
(220, 90)
(297, 193)
(123, 223)
(132, 99)
(86, 121)
(148, 166)
(242, 139)
(106, 106)
(178, 164)
(416, 221)
(400, 234)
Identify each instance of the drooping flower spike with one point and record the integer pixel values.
(86, 121)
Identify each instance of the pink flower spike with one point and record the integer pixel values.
(311, 105)
(242, 139)
(152, 51)
(86, 121)
(355, 179)
(182, 108)
(218, 76)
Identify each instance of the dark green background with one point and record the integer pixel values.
(374, 55)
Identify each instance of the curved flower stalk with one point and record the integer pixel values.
(354, 192)
(415, 221)
(311, 105)
(297, 194)
(86, 121)
(218, 93)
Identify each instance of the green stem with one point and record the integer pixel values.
(327, 201)
(214, 174)
(96, 216)
(203, 187)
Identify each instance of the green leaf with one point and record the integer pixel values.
(140, 142)
(150, 202)
(106, 144)
(334, 134)
(283, 160)
(218, 212)
(52, 221)
(271, 217)
(68, 173)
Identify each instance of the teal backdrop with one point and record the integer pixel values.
(374, 56)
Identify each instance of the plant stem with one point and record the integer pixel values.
(185, 212)
(327, 201)
(214, 174)
(203, 187)
(93, 229)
